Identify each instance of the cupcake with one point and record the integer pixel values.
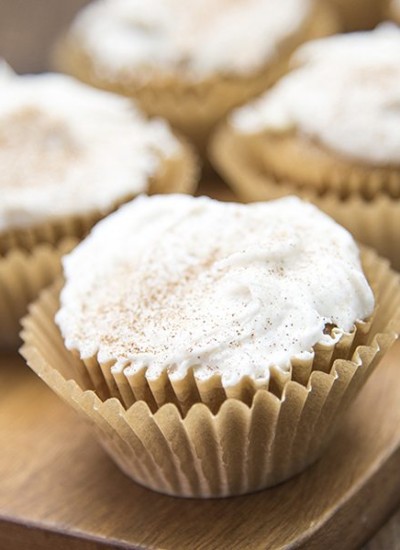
(185, 61)
(329, 130)
(213, 346)
(69, 155)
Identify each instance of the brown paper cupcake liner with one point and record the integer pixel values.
(239, 449)
(108, 380)
(50, 232)
(374, 222)
(193, 108)
(22, 276)
(177, 174)
(310, 166)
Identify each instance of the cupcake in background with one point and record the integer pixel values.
(214, 346)
(190, 62)
(328, 131)
(69, 155)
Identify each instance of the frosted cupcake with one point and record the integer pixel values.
(185, 61)
(329, 130)
(213, 366)
(69, 155)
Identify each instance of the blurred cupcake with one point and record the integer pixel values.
(185, 61)
(329, 131)
(214, 366)
(69, 155)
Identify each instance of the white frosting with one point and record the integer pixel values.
(66, 148)
(198, 37)
(345, 94)
(6, 71)
(173, 282)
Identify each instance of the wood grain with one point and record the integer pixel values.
(59, 489)
(388, 537)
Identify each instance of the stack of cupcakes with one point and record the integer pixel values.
(214, 347)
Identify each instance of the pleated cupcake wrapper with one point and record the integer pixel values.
(50, 232)
(309, 166)
(192, 108)
(325, 172)
(375, 222)
(177, 174)
(22, 276)
(111, 380)
(238, 450)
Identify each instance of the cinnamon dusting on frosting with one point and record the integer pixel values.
(66, 148)
(34, 148)
(173, 283)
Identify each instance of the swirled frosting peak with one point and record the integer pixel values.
(176, 283)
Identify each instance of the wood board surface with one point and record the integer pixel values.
(60, 490)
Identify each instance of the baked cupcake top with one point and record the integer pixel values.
(197, 38)
(171, 283)
(66, 148)
(344, 92)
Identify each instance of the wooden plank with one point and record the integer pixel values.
(59, 488)
(388, 537)
(15, 536)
